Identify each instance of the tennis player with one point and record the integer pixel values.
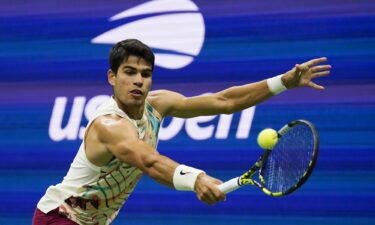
(119, 145)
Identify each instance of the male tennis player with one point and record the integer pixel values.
(120, 141)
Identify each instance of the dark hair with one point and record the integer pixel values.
(123, 49)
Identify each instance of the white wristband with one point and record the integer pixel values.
(275, 85)
(184, 177)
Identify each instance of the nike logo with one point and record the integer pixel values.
(183, 173)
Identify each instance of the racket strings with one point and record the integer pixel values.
(289, 160)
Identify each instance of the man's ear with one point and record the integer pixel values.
(111, 77)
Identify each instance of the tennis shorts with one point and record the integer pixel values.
(53, 218)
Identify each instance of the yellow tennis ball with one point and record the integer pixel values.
(267, 138)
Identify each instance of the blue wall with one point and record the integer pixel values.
(46, 53)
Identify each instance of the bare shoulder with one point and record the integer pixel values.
(164, 100)
(110, 127)
(104, 134)
(158, 94)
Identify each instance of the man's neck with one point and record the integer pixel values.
(133, 111)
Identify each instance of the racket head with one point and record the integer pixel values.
(289, 164)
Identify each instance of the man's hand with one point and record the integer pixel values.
(207, 190)
(303, 74)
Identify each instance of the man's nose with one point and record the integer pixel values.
(138, 81)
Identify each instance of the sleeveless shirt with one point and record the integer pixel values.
(90, 194)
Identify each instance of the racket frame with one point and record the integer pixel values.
(247, 177)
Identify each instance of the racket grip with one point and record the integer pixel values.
(229, 185)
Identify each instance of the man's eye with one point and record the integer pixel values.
(129, 71)
(146, 74)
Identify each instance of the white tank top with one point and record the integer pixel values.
(93, 195)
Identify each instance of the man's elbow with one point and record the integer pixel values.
(226, 105)
(140, 156)
(149, 162)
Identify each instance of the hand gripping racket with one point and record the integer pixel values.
(287, 166)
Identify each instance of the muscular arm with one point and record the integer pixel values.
(236, 98)
(228, 101)
(120, 139)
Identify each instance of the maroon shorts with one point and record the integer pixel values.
(53, 218)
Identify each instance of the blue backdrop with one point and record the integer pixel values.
(49, 61)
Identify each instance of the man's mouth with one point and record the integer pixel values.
(136, 92)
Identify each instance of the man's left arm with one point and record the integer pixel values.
(237, 98)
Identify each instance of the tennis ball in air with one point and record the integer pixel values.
(267, 138)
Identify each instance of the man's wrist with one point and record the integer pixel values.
(276, 85)
(184, 177)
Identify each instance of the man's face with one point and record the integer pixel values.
(132, 81)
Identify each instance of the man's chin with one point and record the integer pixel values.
(136, 102)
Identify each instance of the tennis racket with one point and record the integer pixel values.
(287, 166)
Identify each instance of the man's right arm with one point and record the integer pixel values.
(120, 138)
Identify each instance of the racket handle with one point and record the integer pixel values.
(229, 186)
